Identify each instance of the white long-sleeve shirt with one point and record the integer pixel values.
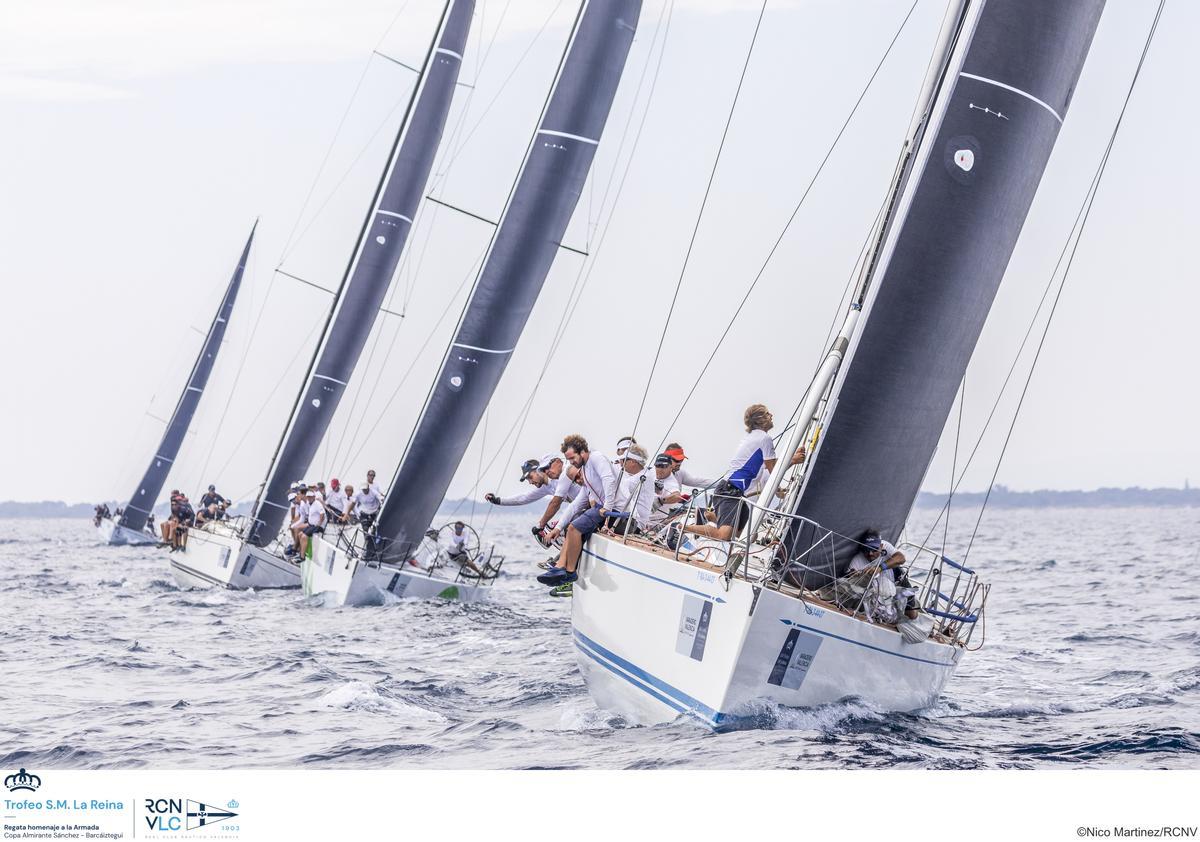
(566, 488)
(536, 492)
(599, 481)
(688, 480)
(636, 492)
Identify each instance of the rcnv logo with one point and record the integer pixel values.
(169, 814)
(164, 813)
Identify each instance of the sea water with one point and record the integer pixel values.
(1091, 657)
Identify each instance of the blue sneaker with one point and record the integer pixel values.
(556, 576)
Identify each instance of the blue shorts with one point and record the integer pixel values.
(588, 522)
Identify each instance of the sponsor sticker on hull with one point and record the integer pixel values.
(795, 657)
(693, 627)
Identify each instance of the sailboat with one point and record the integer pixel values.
(129, 527)
(402, 556)
(246, 552)
(717, 631)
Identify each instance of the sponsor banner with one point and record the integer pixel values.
(389, 804)
(795, 657)
(693, 627)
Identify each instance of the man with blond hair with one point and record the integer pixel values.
(749, 469)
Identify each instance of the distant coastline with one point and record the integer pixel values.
(1005, 498)
(1001, 497)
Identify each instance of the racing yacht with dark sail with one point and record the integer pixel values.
(129, 527)
(717, 630)
(402, 555)
(247, 552)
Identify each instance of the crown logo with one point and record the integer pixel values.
(22, 780)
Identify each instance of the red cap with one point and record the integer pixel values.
(676, 453)
(333, 483)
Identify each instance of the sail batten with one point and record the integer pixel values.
(982, 155)
(518, 260)
(141, 503)
(369, 273)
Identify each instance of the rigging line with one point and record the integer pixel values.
(584, 274)
(345, 175)
(241, 366)
(585, 270)
(712, 175)
(955, 483)
(838, 311)
(954, 462)
(588, 266)
(253, 267)
(504, 84)
(1090, 202)
(266, 401)
(416, 357)
(406, 269)
(441, 176)
(796, 210)
(337, 132)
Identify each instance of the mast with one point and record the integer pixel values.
(961, 203)
(519, 257)
(141, 503)
(369, 273)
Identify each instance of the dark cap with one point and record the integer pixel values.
(528, 467)
(872, 541)
(662, 460)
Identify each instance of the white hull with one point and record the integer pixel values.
(220, 559)
(656, 638)
(344, 580)
(116, 535)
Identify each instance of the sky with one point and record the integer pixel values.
(142, 140)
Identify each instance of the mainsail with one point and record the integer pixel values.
(369, 273)
(519, 258)
(138, 509)
(989, 133)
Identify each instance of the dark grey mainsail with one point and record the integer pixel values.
(370, 271)
(519, 258)
(990, 133)
(138, 509)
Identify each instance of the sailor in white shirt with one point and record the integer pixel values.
(299, 517)
(542, 474)
(875, 553)
(365, 504)
(457, 551)
(373, 486)
(586, 513)
(635, 493)
(667, 493)
(336, 501)
(623, 444)
(755, 455)
(314, 520)
(682, 476)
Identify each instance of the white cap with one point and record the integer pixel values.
(624, 443)
(547, 460)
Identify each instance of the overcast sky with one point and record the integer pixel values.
(142, 139)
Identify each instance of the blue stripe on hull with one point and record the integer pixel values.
(654, 686)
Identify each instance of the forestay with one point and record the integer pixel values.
(518, 259)
(369, 273)
(1003, 96)
(141, 504)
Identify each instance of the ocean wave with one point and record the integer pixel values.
(361, 697)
